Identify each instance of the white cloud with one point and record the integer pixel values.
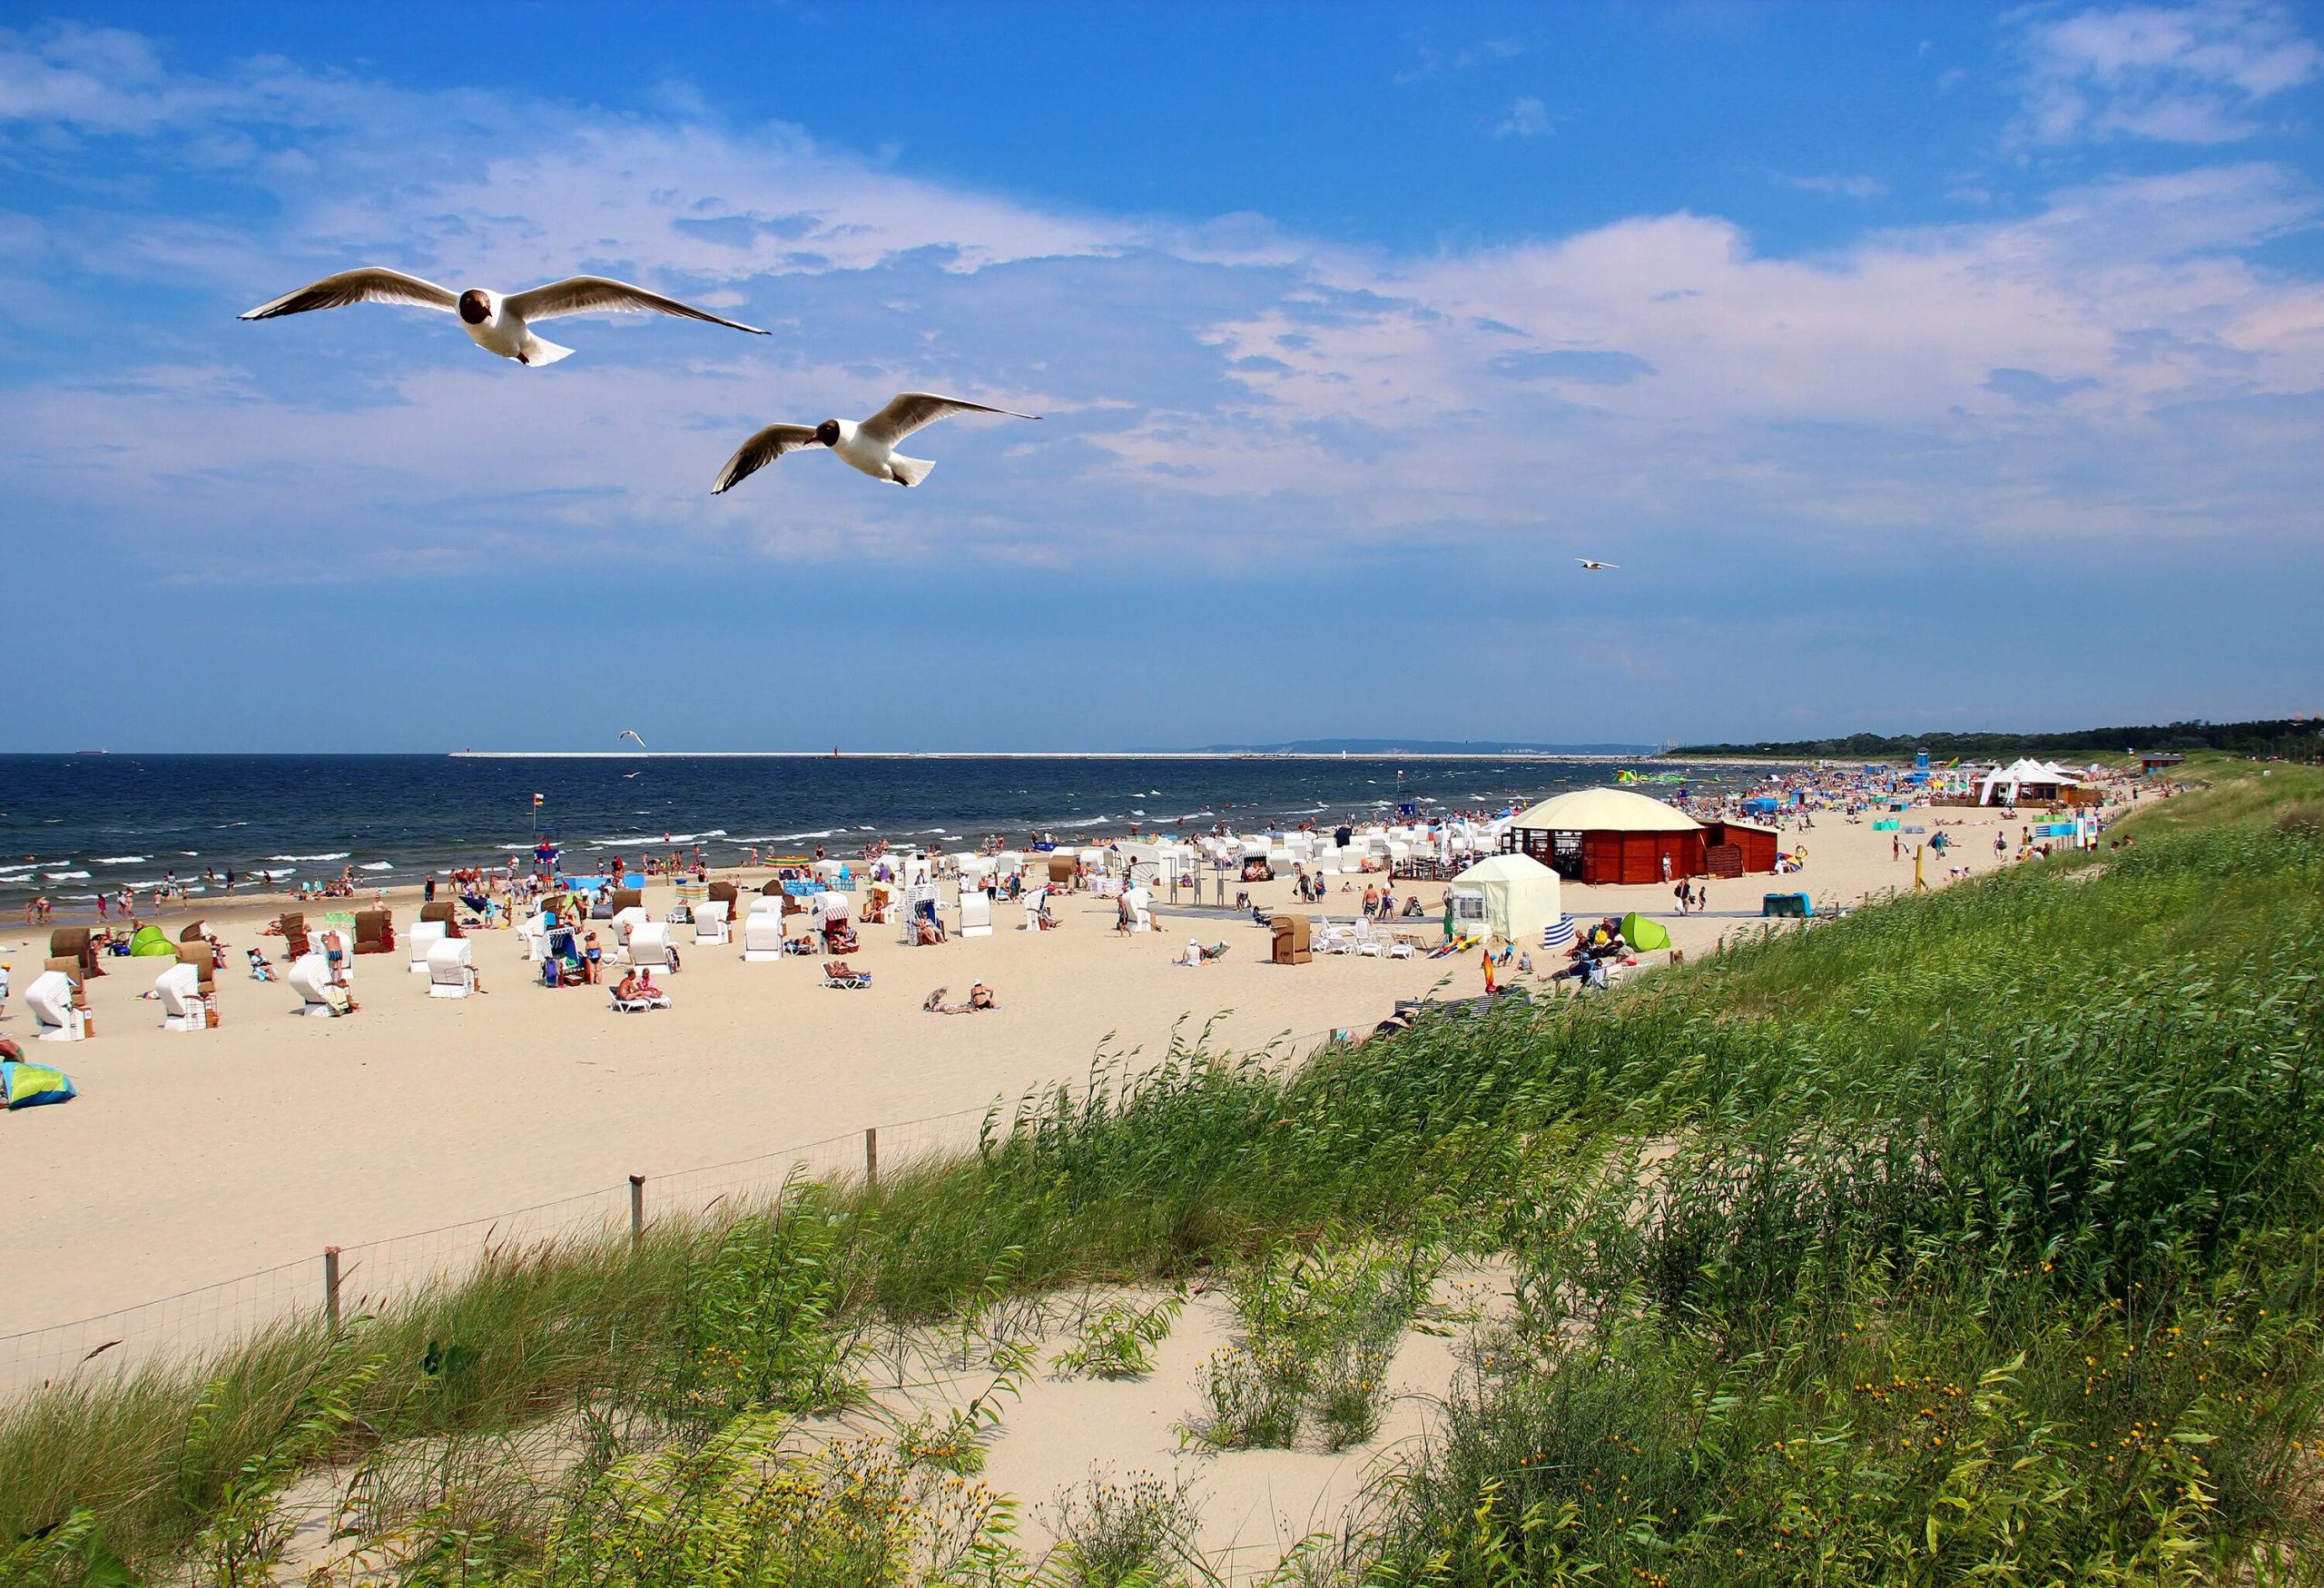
(2197, 74)
(1847, 187)
(1526, 117)
(1219, 392)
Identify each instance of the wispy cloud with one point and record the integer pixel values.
(1428, 61)
(2199, 73)
(1526, 117)
(1847, 187)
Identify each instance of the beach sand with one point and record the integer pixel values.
(190, 1158)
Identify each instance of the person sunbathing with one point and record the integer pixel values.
(981, 997)
(260, 970)
(630, 986)
(931, 931)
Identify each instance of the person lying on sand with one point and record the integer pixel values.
(981, 997)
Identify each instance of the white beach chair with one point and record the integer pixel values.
(532, 931)
(451, 969)
(710, 923)
(976, 915)
(648, 997)
(762, 931)
(55, 1018)
(1331, 937)
(423, 936)
(627, 921)
(183, 1009)
(649, 946)
(310, 977)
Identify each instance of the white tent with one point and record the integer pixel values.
(2008, 784)
(1517, 896)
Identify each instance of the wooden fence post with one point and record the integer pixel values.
(872, 1156)
(331, 1286)
(637, 1211)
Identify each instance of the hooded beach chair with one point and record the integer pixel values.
(710, 926)
(310, 977)
(57, 1016)
(375, 931)
(762, 929)
(451, 969)
(423, 936)
(183, 1009)
(649, 946)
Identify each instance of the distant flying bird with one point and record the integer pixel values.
(870, 446)
(496, 323)
(630, 733)
(1594, 566)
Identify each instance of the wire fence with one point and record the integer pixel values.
(349, 1280)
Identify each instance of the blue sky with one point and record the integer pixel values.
(1922, 365)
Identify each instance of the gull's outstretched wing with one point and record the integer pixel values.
(595, 294)
(760, 450)
(912, 410)
(370, 284)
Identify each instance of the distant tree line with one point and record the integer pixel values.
(2298, 738)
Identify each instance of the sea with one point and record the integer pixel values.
(73, 823)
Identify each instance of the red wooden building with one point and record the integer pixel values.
(1610, 835)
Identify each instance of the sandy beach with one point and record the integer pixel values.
(190, 1158)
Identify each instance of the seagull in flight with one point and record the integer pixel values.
(870, 446)
(1594, 566)
(499, 322)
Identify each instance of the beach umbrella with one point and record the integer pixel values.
(25, 1085)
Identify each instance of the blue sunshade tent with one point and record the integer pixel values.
(25, 1085)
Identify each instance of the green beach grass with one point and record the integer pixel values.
(1972, 1236)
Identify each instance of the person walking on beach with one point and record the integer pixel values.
(1681, 891)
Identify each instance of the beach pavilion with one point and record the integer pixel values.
(1608, 836)
(2038, 783)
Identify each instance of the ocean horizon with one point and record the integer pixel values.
(73, 824)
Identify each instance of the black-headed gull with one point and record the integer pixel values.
(496, 321)
(870, 446)
(1594, 566)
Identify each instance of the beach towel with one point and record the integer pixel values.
(25, 1085)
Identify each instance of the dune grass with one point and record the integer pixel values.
(1976, 1240)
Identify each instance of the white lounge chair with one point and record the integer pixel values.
(451, 969)
(649, 946)
(710, 923)
(423, 936)
(310, 977)
(183, 1009)
(1331, 937)
(652, 998)
(976, 914)
(49, 998)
